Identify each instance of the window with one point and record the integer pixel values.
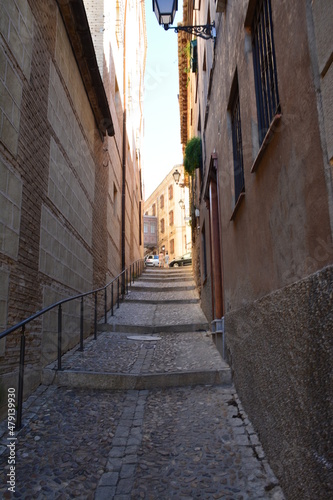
(172, 246)
(171, 218)
(194, 56)
(264, 64)
(237, 146)
(162, 200)
(203, 253)
(153, 209)
(115, 199)
(170, 192)
(145, 228)
(152, 229)
(162, 225)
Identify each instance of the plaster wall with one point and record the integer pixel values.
(280, 348)
(276, 251)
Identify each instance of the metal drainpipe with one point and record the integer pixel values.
(123, 194)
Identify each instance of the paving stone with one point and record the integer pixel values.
(182, 443)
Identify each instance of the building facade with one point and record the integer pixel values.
(170, 204)
(150, 233)
(260, 99)
(70, 216)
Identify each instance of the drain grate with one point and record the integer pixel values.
(143, 337)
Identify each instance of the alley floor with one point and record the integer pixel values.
(146, 411)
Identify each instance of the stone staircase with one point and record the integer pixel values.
(159, 337)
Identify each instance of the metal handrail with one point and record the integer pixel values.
(126, 277)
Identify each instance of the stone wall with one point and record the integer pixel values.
(281, 351)
(60, 189)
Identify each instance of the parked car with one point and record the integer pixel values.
(152, 260)
(184, 260)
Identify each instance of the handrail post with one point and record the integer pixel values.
(126, 281)
(130, 274)
(112, 298)
(105, 305)
(95, 317)
(118, 293)
(59, 335)
(81, 326)
(20, 382)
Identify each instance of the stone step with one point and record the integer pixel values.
(166, 279)
(143, 328)
(116, 381)
(141, 361)
(163, 301)
(156, 287)
(168, 274)
(170, 296)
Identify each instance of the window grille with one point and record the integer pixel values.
(194, 56)
(237, 145)
(264, 63)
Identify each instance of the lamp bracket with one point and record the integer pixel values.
(205, 31)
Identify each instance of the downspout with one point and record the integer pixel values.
(123, 191)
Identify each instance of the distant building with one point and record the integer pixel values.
(150, 234)
(169, 203)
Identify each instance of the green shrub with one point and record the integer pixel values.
(192, 158)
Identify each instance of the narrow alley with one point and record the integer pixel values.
(146, 411)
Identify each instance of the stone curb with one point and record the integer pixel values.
(185, 328)
(115, 381)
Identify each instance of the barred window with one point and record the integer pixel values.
(237, 141)
(170, 192)
(162, 225)
(265, 75)
(162, 201)
(171, 218)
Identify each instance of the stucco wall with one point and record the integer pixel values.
(281, 351)
(277, 251)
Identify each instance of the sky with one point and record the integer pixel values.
(162, 149)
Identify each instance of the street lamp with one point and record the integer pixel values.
(176, 176)
(165, 11)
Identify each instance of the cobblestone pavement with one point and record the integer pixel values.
(166, 443)
(121, 353)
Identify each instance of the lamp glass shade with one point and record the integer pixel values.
(176, 176)
(165, 10)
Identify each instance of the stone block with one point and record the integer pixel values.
(327, 93)
(4, 22)
(9, 136)
(3, 177)
(3, 64)
(14, 189)
(6, 101)
(16, 45)
(10, 243)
